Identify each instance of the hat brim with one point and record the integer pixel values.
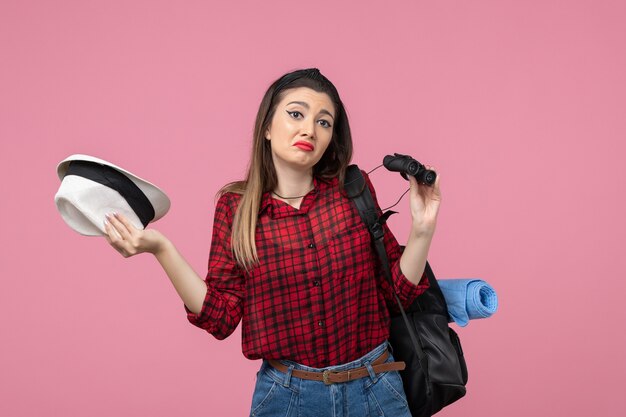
(157, 197)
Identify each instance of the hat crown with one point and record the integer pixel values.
(92, 187)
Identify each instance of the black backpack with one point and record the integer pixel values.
(436, 372)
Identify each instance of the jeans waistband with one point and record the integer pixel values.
(367, 358)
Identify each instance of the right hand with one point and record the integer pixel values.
(128, 240)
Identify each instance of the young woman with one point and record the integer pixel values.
(291, 259)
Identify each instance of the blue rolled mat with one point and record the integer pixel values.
(468, 299)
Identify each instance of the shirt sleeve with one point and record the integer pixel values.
(406, 290)
(222, 308)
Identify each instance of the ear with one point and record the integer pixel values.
(267, 134)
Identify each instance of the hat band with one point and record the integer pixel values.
(112, 178)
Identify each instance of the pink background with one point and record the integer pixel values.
(520, 105)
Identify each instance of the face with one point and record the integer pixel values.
(301, 128)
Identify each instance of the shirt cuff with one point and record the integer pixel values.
(191, 316)
(201, 317)
(408, 291)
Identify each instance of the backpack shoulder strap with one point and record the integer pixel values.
(357, 191)
(360, 194)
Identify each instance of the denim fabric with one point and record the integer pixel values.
(279, 394)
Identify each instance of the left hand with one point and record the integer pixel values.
(424, 202)
(130, 241)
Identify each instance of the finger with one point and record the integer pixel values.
(129, 226)
(413, 184)
(436, 189)
(428, 191)
(112, 234)
(120, 228)
(114, 238)
(106, 231)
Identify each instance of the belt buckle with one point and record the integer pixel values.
(325, 375)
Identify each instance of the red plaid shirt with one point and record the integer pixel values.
(318, 296)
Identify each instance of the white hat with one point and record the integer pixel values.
(92, 187)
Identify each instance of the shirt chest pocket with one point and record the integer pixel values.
(351, 253)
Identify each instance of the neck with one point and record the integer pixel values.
(293, 183)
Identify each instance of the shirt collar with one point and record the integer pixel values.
(319, 185)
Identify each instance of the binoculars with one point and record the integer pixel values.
(406, 165)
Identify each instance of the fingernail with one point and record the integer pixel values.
(106, 222)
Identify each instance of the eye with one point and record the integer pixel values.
(294, 114)
(325, 124)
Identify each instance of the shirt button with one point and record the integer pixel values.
(311, 245)
(320, 323)
(316, 283)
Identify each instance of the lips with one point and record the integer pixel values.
(305, 146)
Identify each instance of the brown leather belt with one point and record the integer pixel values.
(331, 377)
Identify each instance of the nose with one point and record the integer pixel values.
(308, 128)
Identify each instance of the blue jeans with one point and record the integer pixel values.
(279, 394)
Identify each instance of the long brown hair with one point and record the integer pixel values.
(261, 176)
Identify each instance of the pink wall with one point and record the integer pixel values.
(519, 104)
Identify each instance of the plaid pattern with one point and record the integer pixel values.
(319, 296)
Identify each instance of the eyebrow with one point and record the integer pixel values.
(305, 105)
